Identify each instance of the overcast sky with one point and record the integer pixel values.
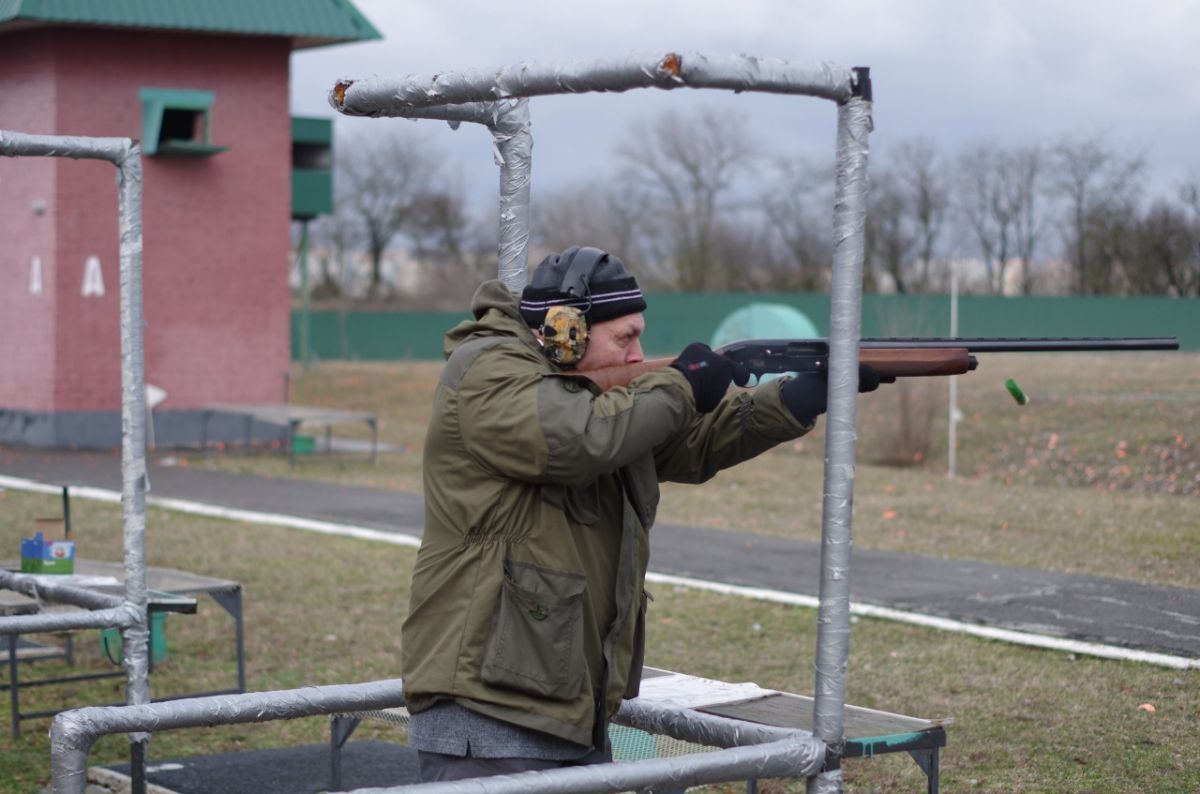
(1010, 71)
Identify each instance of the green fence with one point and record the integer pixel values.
(675, 319)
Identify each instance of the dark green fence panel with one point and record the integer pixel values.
(675, 319)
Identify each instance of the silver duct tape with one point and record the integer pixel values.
(776, 759)
(514, 154)
(16, 144)
(115, 617)
(708, 729)
(73, 732)
(374, 96)
(136, 635)
(833, 628)
(825, 783)
(59, 592)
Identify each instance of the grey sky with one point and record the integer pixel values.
(951, 70)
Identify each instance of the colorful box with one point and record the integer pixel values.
(42, 555)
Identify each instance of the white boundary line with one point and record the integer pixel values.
(761, 594)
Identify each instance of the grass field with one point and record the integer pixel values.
(1100, 474)
(1022, 719)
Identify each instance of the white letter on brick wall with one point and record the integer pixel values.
(93, 279)
(35, 276)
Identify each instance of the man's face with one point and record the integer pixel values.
(613, 343)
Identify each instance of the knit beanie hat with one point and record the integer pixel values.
(588, 278)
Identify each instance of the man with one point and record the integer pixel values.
(527, 617)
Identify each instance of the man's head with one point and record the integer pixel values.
(587, 307)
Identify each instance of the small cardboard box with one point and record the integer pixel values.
(39, 555)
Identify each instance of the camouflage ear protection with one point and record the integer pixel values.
(564, 335)
(565, 329)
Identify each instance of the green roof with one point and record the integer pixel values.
(309, 23)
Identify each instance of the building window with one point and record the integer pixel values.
(177, 123)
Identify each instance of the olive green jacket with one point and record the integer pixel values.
(540, 491)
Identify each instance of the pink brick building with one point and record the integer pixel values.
(206, 91)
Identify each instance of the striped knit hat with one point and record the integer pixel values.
(588, 278)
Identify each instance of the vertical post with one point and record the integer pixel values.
(833, 616)
(514, 155)
(136, 636)
(952, 441)
(304, 317)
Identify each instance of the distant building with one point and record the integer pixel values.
(204, 87)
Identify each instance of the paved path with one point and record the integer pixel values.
(1087, 608)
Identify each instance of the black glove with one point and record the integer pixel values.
(709, 374)
(805, 394)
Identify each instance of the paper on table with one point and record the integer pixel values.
(681, 691)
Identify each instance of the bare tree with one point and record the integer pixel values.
(998, 194)
(688, 166)
(1092, 180)
(927, 200)
(889, 238)
(603, 214)
(1159, 252)
(381, 180)
(797, 249)
(1022, 180)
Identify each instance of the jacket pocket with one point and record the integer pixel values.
(536, 640)
(634, 683)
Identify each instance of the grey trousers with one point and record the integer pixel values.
(435, 767)
(438, 767)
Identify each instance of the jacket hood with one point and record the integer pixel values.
(496, 312)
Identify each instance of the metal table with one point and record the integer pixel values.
(292, 417)
(169, 588)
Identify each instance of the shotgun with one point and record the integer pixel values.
(891, 357)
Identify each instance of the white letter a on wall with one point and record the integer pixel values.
(93, 279)
(35, 276)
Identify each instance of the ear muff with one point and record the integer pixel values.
(565, 329)
(564, 335)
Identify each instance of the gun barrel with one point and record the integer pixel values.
(1029, 344)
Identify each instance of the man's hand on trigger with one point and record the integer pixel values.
(709, 374)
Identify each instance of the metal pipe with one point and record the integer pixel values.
(514, 154)
(42, 588)
(376, 95)
(833, 617)
(114, 617)
(136, 635)
(126, 155)
(73, 733)
(783, 758)
(693, 726)
(508, 122)
(17, 144)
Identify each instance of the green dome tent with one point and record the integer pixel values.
(764, 321)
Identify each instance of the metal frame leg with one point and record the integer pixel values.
(231, 602)
(291, 443)
(13, 698)
(341, 727)
(928, 761)
(374, 441)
